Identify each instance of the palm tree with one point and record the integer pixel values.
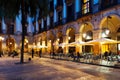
(10, 8)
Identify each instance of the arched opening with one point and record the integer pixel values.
(51, 42)
(118, 38)
(71, 38)
(26, 45)
(1, 39)
(44, 43)
(1, 47)
(10, 44)
(110, 29)
(86, 35)
(71, 35)
(60, 41)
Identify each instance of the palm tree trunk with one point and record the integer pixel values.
(23, 31)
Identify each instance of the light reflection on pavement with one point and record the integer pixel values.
(50, 69)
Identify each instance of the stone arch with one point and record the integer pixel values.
(26, 43)
(73, 25)
(70, 29)
(86, 32)
(110, 22)
(44, 35)
(59, 40)
(85, 27)
(71, 34)
(10, 43)
(51, 39)
(114, 21)
(1, 42)
(50, 35)
(60, 36)
(109, 25)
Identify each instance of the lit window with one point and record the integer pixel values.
(85, 1)
(85, 7)
(96, 1)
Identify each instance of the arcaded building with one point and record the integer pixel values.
(80, 20)
(69, 21)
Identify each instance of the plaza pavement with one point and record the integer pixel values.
(51, 69)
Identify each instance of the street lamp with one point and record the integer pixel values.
(85, 34)
(58, 39)
(1, 38)
(106, 31)
(49, 40)
(69, 38)
(10, 43)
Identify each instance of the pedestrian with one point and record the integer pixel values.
(110, 53)
(72, 54)
(106, 54)
(50, 54)
(53, 54)
(78, 56)
(32, 53)
(40, 53)
(1, 53)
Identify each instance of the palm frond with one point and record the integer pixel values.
(11, 8)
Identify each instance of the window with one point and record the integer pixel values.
(3, 26)
(51, 22)
(64, 11)
(70, 12)
(45, 24)
(77, 5)
(96, 1)
(60, 16)
(11, 29)
(39, 27)
(85, 6)
(51, 6)
(25, 30)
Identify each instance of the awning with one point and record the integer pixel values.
(103, 41)
(78, 43)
